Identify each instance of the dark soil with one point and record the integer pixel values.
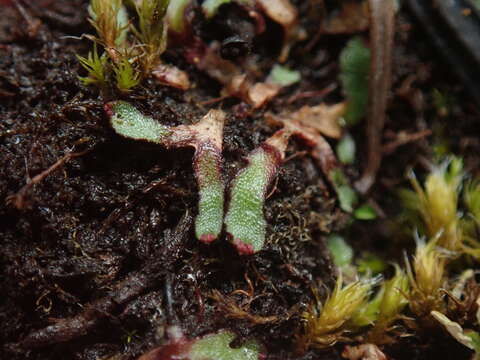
(107, 237)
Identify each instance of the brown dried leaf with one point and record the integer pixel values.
(280, 11)
(261, 93)
(453, 329)
(284, 13)
(323, 118)
(171, 76)
(363, 352)
(321, 151)
(224, 71)
(352, 18)
(235, 82)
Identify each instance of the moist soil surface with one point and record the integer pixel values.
(102, 246)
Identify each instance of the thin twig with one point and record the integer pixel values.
(19, 199)
(309, 94)
(404, 138)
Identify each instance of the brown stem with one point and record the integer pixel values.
(403, 139)
(382, 30)
(18, 200)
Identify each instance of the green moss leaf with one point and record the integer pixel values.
(471, 198)
(283, 76)
(126, 76)
(151, 15)
(369, 313)
(96, 66)
(394, 298)
(110, 19)
(347, 197)
(342, 253)
(346, 149)
(475, 341)
(354, 73)
(370, 264)
(365, 212)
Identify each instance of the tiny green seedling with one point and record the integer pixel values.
(205, 137)
(354, 73)
(151, 31)
(426, 276)
(126, 77)
(110, 20)
(327, 324)
(392, 299)
(434, 207)
(131, 53)
(96, 67)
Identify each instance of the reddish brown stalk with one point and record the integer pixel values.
(382, 30)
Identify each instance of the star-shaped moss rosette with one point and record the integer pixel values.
(244, 221)
(205, 137)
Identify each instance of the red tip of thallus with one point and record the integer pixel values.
(243, 248)
(108, 107)
(207, 238)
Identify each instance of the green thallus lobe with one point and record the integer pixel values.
(207, 162)
(205, 136)
(214, 346)
(244, 221)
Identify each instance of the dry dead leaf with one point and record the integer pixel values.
(323, 118)
(260, 93)
(171, 76)
(216, 67)
(363, 352)
(453, 329)
(352, 18)
(280, 11)
(320, 149)
(284, 13)
(382, 31)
